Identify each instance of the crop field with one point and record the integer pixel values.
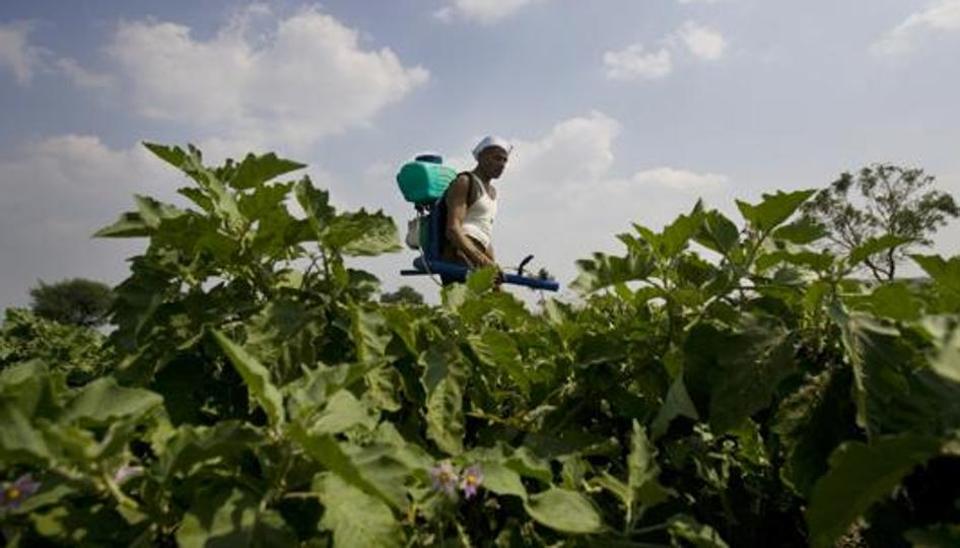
(721, 382)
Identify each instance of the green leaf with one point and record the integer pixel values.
(605, 270)
(355, 518)
(481, 280)
(895, 389)
(316, 205)
(254, 170)
(811, 422)
(694, 532)
(499, 351)
(362, 234)
(564, 510)
(225, 441)
(873, 246)
(376, 469)
(502, 480)
(802, 232)
(774, 209)
(221, 518)
(738, 370)
(19, 442)
(946, 275)
(895, 301)
(718, 233)
(676, 404)
(861, 475)
(641, 466)
(129, 225)
(674, 237)
(443, 380)
(342, 412)
(818, 262)
(255, 376)
(369, 331)
(103, 402)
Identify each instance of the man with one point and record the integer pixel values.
(471, 203)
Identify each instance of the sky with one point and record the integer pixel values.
(620, 111)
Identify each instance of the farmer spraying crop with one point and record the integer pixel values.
(453, 229)
(472, 206)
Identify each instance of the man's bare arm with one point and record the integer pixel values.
(457, 197)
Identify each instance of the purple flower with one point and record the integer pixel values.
(471, 480)
(445, 478)
(127, 472)
(15, 493)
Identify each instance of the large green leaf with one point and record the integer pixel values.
(231, 518)
(129, 225)
(861, 475)
(605, 270)
(377, 469)
(370, 333)
(254, 170)
(802, 232)
(642, 469)
(191, 446)
(774, 209)
(443, 380)
(718, 233)
(255, 376)
(873, 246)
(362, 234)
(737, 370)
(103, 402)
(19, 441)
(811, 422)
(355, 518)
(564, 510)
(896, 389)
(502, 480)
(677, 403)
(946, 275)
(316, 205)
(498, 350)
(342, 412)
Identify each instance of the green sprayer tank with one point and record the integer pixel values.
(425, 179)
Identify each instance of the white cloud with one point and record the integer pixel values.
(481, 11)
(703, 42)
(302, 78)
(942, 16)
(82, 77)
(679, 179)
(16, 54)
(636, 62)
(56, 194)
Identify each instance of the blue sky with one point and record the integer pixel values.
(621, 110)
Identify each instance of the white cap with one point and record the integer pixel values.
(491, 141)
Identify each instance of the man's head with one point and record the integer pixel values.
(492, 154)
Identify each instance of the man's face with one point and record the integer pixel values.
(492, 160)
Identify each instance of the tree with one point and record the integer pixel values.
(77, 301)
(403, 294)
(880, 200)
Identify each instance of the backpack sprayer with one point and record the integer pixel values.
(424, 182)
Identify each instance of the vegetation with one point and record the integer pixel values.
(403, 294)
(77, 302)
(888, 200)
(765, 399)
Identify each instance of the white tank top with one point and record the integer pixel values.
(478, 223)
